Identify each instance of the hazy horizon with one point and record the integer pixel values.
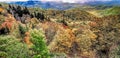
(66, 1)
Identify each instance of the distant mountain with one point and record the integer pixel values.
(47, 5)
(63, 6)
(113, 2)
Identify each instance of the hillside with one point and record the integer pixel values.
(111, 11)
(27, 32)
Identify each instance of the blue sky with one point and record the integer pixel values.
(69, 1)
(75, 1)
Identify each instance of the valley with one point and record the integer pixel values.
(71, 31)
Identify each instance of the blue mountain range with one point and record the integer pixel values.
(61, 5)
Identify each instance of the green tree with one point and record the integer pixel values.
(39, 46)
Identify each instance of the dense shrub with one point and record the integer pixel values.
(62, 42)
(84, 41)
(10, 47)
(39, 46)
(22, 29)
(58, 55)
(115, 53)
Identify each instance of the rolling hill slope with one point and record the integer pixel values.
(111, 11)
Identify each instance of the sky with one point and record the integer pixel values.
(74, 1)
(11, 0)
(68, 1)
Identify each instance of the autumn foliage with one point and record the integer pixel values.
(27, 39)
(38, 33)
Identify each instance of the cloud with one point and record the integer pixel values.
(11, 0)
(73, 1)
(68, 1)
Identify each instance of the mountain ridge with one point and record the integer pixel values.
(62, 5)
